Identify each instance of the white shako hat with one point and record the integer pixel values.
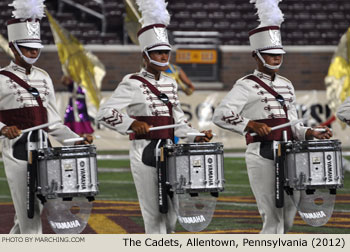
(266, 38)
(153, 35)
(24, 30)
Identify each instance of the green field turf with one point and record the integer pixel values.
(116, 185)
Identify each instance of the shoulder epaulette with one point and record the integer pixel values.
(41, 70)
(284, 78)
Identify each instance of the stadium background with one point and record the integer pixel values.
(310, 34)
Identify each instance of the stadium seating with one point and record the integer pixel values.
(312, 22)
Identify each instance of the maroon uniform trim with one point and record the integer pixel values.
(276, 135)
(26, 117)
(149, 27)
(266, 28)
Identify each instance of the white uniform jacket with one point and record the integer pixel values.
(133, 98)
(247, 101)
(343, 112)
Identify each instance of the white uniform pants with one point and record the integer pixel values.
(146, 182)
(261, 173)
(16, 173)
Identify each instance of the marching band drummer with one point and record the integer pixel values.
(343, 112)
(137, 94)
(250, 107)
(27, 99)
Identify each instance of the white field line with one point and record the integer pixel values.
(126, 157)
(115, 182)
(125, 169)
(108, 169)
(228, 155)
(236, 204)
(346, 190)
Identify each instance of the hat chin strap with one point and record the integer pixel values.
(29, 61)
(267, 65)
(161, 64)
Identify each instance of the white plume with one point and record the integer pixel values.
(269, 13)
(153, 12)
(28, 9)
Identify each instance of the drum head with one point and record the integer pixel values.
(68, 217)
(194, 213)
(316, 208)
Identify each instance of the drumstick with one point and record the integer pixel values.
(75, 139)
(198, 134)
(72, 140)
(40, 126)
(37, 127)
(282, 126)
(161, 127)
(320, 129)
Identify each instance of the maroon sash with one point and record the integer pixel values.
(155, 120)
(270, 90)
(276, 135)
(155, 91)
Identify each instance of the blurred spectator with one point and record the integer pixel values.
(76, 116)
(181, 78)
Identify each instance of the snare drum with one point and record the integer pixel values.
(66, 172)
(313, 164)
(195, 167)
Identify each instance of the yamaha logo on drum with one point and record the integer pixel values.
(210, 166)
(82, 175)
(329, 167)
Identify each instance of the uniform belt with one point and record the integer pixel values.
(276, 135)
(155, 121)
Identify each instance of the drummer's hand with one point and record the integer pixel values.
(260, 128)
(319, 134)
(208, 136)
(140, 128)
(189, 90)
(10, 132)
(88, 139)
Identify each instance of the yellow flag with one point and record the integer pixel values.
(82, 66)
(131, 20)
(338, 78)
(4, 44)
